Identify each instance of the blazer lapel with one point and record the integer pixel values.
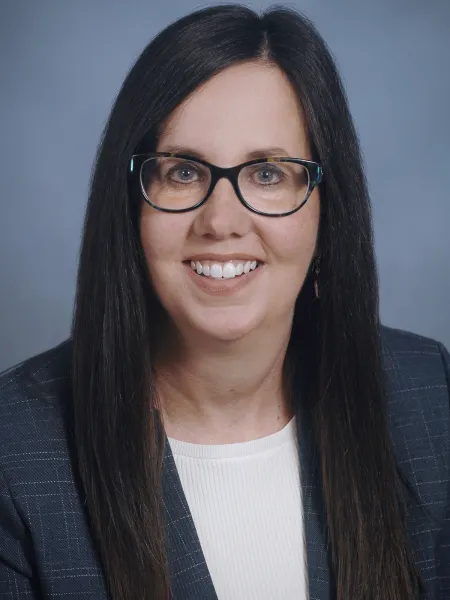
(321, 583)
(189, 574)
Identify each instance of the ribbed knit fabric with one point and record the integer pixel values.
(245, 501)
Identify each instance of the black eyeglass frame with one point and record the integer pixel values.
(314, 169)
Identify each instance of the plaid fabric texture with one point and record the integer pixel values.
(46, 550)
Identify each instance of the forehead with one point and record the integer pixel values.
(246, 106)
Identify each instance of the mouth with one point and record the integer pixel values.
(223, 279)
(223, 270)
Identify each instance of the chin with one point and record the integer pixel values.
(226, 328)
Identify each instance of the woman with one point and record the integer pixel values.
(226, 309)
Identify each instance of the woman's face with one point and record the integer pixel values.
(245, 109)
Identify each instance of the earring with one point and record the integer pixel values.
(316, 269)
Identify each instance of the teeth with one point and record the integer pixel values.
(227, 270)
(216, 271)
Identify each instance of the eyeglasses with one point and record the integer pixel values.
(274, 187)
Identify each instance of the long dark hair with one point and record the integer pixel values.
(118, 433)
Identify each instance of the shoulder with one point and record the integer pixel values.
(42, 502)
(417, 376)
(36, 382)
(417, 370)
(33, 406)
(420, 360)
(418, 404)
(35, 370)
(401, 340)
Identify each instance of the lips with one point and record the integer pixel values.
(223, 286)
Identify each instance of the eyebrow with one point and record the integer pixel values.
(258, 153)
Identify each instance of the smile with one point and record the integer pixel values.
(225, 270)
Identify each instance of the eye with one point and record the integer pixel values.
(267, 174)
(184, 173)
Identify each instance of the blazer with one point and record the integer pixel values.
(46, 549)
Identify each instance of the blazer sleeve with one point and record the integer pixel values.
(16, 573)
(443, 550)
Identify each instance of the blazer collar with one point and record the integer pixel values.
(190, 577)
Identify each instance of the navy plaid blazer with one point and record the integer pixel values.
(46, 550)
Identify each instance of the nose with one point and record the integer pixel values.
(223, 215)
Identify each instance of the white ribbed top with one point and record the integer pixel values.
(245, 500)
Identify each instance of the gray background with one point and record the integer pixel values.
(61, 66)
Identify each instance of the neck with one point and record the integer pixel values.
(216, 392)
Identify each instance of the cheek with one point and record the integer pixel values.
(293, 239)
(162, 236)
(161, 244)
